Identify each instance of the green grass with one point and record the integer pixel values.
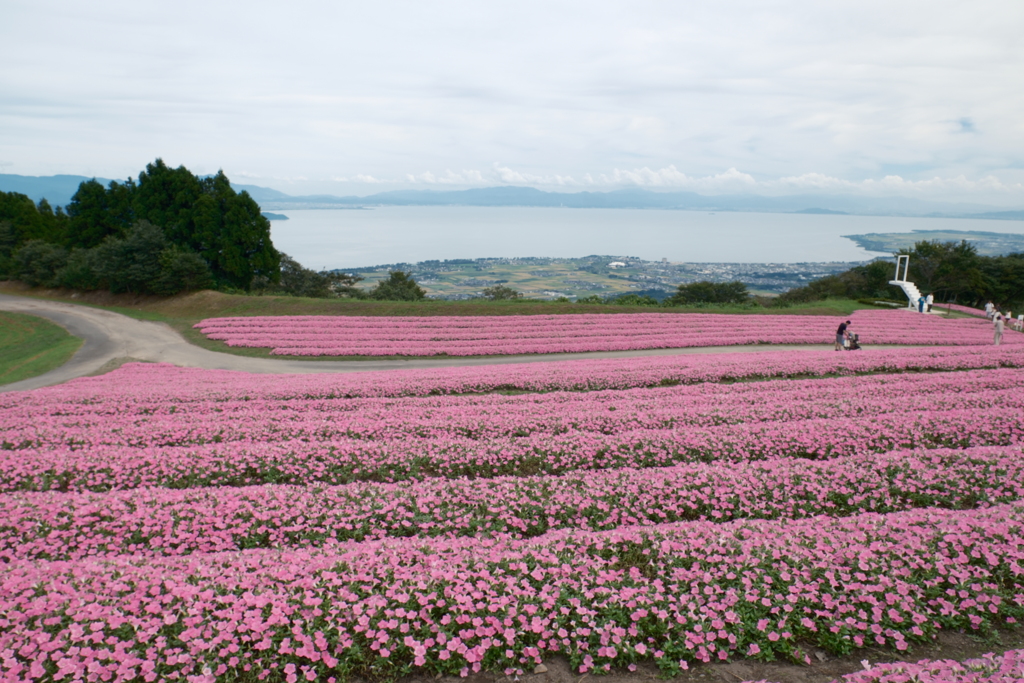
(31, 346)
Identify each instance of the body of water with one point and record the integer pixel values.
(349, 238)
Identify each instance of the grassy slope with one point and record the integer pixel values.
(183, 311)
(31, 346)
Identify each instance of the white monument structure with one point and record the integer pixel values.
(909, 288)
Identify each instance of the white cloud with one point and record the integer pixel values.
(814, 181)
(730, 181)
(448, 178)
(512, 177)
(671, 177)
(788, 96)
(958, 184)
(893, 184)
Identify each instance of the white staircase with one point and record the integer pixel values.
(909, 288)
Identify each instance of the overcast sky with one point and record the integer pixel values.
(916, 98)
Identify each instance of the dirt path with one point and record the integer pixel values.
(110, 337)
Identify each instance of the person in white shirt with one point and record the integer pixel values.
(999, 324)
(929, 301)
(990, 310)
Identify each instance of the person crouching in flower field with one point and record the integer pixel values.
(841, 335)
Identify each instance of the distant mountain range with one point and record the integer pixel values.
(59, 189)
(56, 189)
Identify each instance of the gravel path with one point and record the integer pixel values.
(110, 337)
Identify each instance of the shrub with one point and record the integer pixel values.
(297, 280)
(501, 293)
(399, 286)
(706, 292)
(79, 272)
(634, 300)
(131, 264)
(182, 271)
(37, 262)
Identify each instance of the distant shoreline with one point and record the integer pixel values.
(59, 189)
(1012, 216)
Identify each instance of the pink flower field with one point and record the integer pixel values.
(160, 523)
(504, 335)
(961, 309)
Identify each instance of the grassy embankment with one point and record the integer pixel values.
(183, 311)
(31, 346)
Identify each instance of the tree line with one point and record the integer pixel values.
(166, 232)
(693, 294)
(953, 272)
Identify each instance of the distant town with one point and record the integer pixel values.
(606, 276)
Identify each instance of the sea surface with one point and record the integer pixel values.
(355, 238)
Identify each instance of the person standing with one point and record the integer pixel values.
(999, 324)
(841, 335)
(990, 309)
(929, 301)
(920, 304)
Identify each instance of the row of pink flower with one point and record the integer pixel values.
(113, 418)
(171, 386)
(503, 335)
(1007, 667)
(527, 326)
(59, 526)
(342, 461)
(970, 310)
(671, 594)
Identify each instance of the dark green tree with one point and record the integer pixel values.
(32, 222)
(1005, 278)
(8, 242)
(706, 292)
(634, 299)
(181, 271)
(297, 280)
(96, 212)
(169, 197)
(208, 217)
(204, 218)
(869, 280)
(501, 293)
(399, 286)
(9, 238)
(949, 270)
(36, 263)
(79, 272)
(131, 264)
